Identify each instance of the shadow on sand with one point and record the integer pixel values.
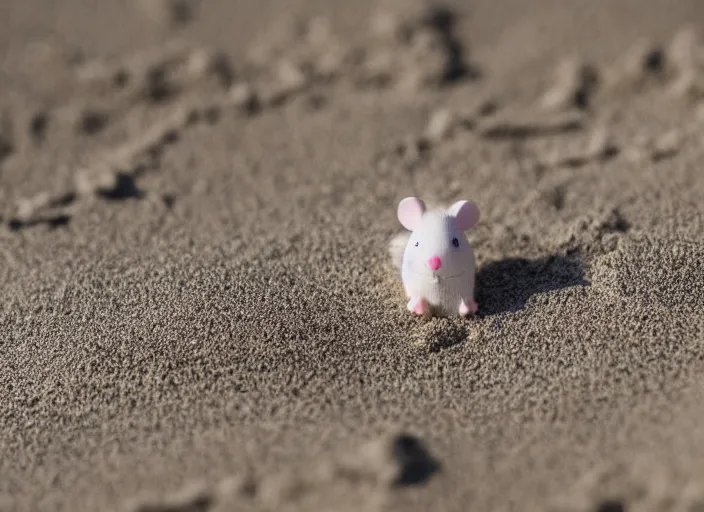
(506, 285)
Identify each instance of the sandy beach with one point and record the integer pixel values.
(199, 311)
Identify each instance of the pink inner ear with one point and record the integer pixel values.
(410, 212)
(466, 214)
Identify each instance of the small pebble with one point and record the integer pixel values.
(440, 125)
(206, 61)
(243, 97)
(99, 72)
(666, 145)
(600, 144)
(89, 182)
(27, 207)
(290, 76)
(574, 84)
(200, 61)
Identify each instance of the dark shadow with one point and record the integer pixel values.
(6, 148)
(506, 285)
(121, 78)
(38, 126)
(586, 89)
(522, 130)
(159, 88)
(415, 462)
(52, 219)
(445, 335)
(201, 502)
(611, 506)
(54, 222)
(577, 161)
(212, 115)
(654, 61)
(125, 188)
(58, 221)
(63, 200)
(443, 20)
(169, 200)
(93, 122)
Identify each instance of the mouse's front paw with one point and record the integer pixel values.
(466, 309)
(417, 305)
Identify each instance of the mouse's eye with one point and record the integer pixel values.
(456, 242)
(416, 244)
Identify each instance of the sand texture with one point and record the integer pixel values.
(200, 309)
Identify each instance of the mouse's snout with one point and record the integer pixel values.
(435, 262)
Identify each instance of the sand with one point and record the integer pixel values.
(199, 311)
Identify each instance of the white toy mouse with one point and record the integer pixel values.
(438, 266)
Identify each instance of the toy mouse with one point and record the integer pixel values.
(437, 266)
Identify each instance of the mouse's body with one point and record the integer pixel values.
(445, 295)
(438, 265)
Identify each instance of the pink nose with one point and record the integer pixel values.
(435, 263)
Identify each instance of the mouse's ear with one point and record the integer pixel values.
(410, 212)
(466, 214)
